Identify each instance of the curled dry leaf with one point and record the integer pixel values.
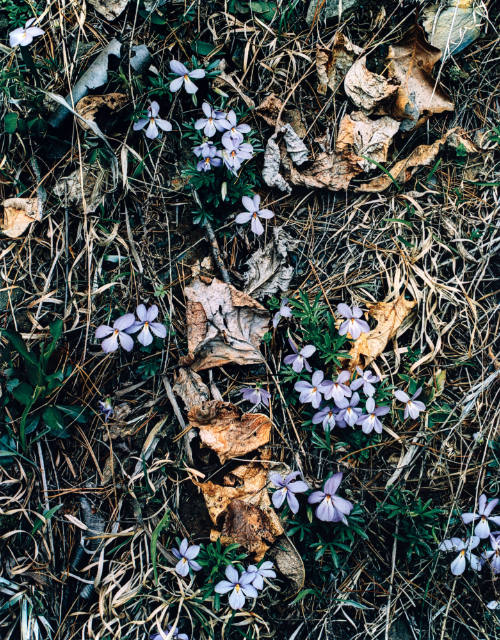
(228, 432)
(360, 136)
(189, 386)
(88, 106)
(367, 89)
(96, 183)
(272, 164)
(329, 171)
(453, 25)
(419, 95)
(18, 214)
(389, 317)
(270, 108)
(110, 9)
(223, 325)
(289, 562)
(333, 64)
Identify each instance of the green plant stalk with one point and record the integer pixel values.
(28, 61)
(22, 423)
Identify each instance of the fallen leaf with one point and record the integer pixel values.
(96, 183)
(269, 271)
(389, 317)
(247, 526)
(327, 9)
(270, 108)
(367, 89)
(189, 386)
(271, 173)
(228, 432)
(18, 214)
(110, 9)
(289, 562)
(333, 64)
(419, 95)
(452, 26)
(329, 171)
(88, 106)
(223, 325)
(360, 136)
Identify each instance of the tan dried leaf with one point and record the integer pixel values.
(389, 317)
(189, 386)
(289, 562)
(96, 183)
(223, 325)
(271, 107)
(329, 171)
(88, 106)
(360, 136)
(419, 95)
(110, 9)
(228, 432)
(367, 89)
(333, 64)
(18, 214)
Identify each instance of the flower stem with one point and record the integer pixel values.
(29, 62)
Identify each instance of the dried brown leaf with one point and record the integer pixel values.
(189, 386)
(329, 171)
(367, 89)
(333, 64)
(271, 107)
(110, 9)
(18, 214)
(88, 106)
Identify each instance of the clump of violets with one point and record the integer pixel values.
(283, 312)
(287, 488)
(353, 324)
(212, 122)
(464, 548)
(365, 380)
(209, 156)
(239, 586)
(147, 326)
(483, 514)
(413, 407)
(184, 77)
(23, 36)
(256, 396)
(310, 392)
(119, 333)
(234, 131)
(153, 122)
(176, 635)
(370, 421)
(264, 570)
(254, 213)
(106, 408)
(186, 554)
(331, 507)
(298, 359)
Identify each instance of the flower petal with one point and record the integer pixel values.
(344, 310)
(243, 218)
(316, 496)
(103, 331)
(182, 568)
(237, 599)
(190, 86)
(178, 68)
(325, 511)
(256, 226)
(124, 322)
(110, 344)
(165, 125)
(126, 341)
(308, 350)
(333, 483)
(278, 498)
(140, 124)
(160, 330)
(231, 574)
(223, 587)
(197, 74)
(293, 503)
(176, 84)
(152, 130)
(248, 204)
(401, 395)
(458, 565)
(145, 337)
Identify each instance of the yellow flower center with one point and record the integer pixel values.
(233, 153)
(237, 587)
(328, 498)
(207, 160)
(462, 553)
(184, 560)
(186, 76)
(116, 332)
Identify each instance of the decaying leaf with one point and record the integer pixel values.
(288, 562)
(421, 156)
(189, 386)
(18, 214)
(367, 89)
(269, 271)
(272, 164)
(223, 325)
(419, 95)
(328, 171)
(117, 426)
(361, 136)
(270, 108)
(327, 9)
(96, 183)
(88, 106)
(110, 9)
(389, 317)
(333, 64)
(228, 432)
(453, 25)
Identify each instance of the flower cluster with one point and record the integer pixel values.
(120, 333)
(464, 546)
(246, 585)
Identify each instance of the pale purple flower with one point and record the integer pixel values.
(23, 36)
(338, 390)
(350, 412)
(259, 573)
(370, 421)
(311, 392)
(253, 213)
(331, 508)
(184, 77)
(493, 555)
(413, 407)
(239, 586)
(154, 122)
(256, 396)
(353, 325)
(298, 359)
(175, 635)
(106, 408)
(235, 131)
(366, 380)
(146, 325)
(283, 312)
(186, 554)
(493, 604)
(234, 153)
(117, 334)
(464, 547)
(327, 417)
(288, 488)
(212, 122)
(209, 156)
(482, 529)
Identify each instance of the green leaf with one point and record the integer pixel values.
(202, 48)
(10, 122)
(302, 594)
(53, 419)
(154, 541)
(47, 515)
(75, 412)
(23, 393)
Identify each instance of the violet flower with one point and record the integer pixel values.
(413, 407)
(186, 554)
(350, 412)
(283, 312)
(265, 570)
(256, 396)
(106, 408)
(338, 390)
(146, 325)
(365, 380)
(23, 36)
(331, 508)
(253, 212)
(212, 122)
(209, 156)
(239, 586)
(465, 552)
(327, 417)
(298, 359)
(493, 604)
(370, 421)
(311, 392)
(235, 131)
(117, 334)
(154, 122)
(493, 555)
(175, 635)
(288, 488)
(482, 529)
(234, 153)
(353, 324)
(185, 76)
